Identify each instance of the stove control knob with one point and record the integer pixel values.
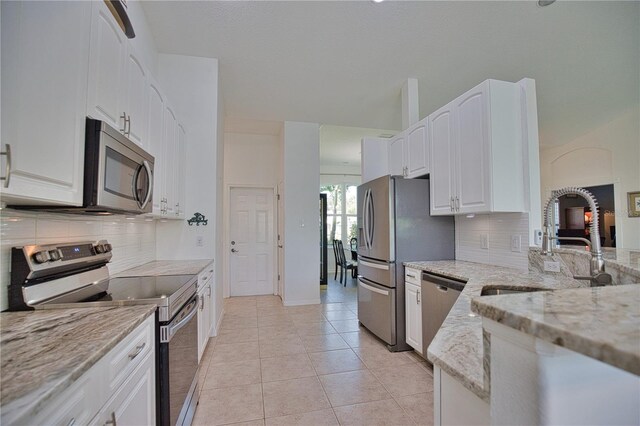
(41, 257)
(99, 248)
(55, 255)
(108, 248)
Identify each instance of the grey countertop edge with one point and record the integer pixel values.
(33, 402)
(563, 336)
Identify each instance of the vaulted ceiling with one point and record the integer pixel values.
(344, 62)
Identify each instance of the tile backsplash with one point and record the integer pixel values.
(133, 239)
(498, 229)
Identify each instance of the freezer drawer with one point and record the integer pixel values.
(377, 309)
(379, 272)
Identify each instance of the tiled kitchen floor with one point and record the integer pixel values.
(308, 365)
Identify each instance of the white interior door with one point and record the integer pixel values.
(251, 258)
(281, 239)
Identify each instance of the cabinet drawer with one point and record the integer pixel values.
(129, 353)
(412, 276)
(76, 405)
(204, 276)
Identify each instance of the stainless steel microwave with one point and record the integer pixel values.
(118, 174)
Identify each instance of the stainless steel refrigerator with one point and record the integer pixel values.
(394, 226)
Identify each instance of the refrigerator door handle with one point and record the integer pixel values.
(364, 218)
(372, 222)
(374, 265)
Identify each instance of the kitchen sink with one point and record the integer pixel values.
(494, 290)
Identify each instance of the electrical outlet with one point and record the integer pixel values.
(515, 243)
(537, 237)
(484, 241)
(199, 241)
(551, 266)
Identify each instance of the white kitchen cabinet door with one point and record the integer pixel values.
(441, 179)
(413, 316)
(397, 155)
(169, 159)
(180, 171)
(374, 158)
(417, 149)
(155, 136)
(107, 57)
(45, 51)
(134, 402)
(136, 98)
(204, 317)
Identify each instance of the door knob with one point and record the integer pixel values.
(234, 250)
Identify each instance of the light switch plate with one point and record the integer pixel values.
(484, 241)
(551, 266)
(199, 241)
(516, 244)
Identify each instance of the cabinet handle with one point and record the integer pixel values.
(418, 296)
(72, 422)
(457, 204)
(112, 421)
(451, 203)
(201, 302)
(128, 122)
(139, 349)
(411, 276)
(7, 173)
(124, 123)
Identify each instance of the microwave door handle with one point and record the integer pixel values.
(147, 167)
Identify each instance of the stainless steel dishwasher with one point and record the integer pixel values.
(438, 297)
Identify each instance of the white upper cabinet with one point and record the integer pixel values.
(155, 132)
(397, 162)
(374, 158)
(117, 78)
(181, 170)
(476, 151)
(441, 179)
(417, 149)
(45, 51)
(171, 161)
(135, 98)
(107, 57)
(409, 151)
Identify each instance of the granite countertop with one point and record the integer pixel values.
(166, 267)
(458, 347)
(43, 352)
(601, 322)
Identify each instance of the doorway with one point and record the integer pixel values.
(251, 241)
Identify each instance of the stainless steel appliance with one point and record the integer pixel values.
(75, 274)
(118, 175)
(439, 295)
(394, 226)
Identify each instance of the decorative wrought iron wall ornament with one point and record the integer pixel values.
(198, 218)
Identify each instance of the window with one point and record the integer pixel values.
(342, 219)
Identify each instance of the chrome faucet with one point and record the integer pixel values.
(598, 276)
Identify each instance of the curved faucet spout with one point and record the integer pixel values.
(597, 262)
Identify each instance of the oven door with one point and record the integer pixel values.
(178, 367)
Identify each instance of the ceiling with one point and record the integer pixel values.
(343, 63)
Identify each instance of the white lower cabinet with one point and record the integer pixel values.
(119, 389)
(453, 404)
(205, 309)
(413, 309)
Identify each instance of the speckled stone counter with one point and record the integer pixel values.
(458, 347)
(166, 267)
(44, 352)
(601, 322)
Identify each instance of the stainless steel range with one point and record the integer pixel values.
(72, 274)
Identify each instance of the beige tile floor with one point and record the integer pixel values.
(308, 365)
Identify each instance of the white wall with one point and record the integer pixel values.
(219, 276)
(134, 241)
(191, 83)
(301, 184)
(609, 154)
(250, 160)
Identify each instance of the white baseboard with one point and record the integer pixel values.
(301, 302)
(217, 327)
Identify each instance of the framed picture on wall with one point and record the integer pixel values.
(633, 200)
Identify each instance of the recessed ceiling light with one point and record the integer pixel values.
(378, 1)
(543, 3)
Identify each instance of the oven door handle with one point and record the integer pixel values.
(170, 330)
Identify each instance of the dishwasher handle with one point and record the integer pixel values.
(443, 283)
